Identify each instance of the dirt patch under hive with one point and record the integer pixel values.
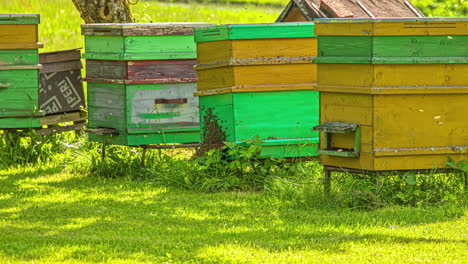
(213, 136)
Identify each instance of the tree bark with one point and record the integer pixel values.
(104, 11)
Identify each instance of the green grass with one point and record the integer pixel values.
(51, 216)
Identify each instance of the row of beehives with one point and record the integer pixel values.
(34, 85)
(393, 92)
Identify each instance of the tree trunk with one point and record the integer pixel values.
(104, 11)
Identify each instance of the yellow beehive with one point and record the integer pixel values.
(395, 97)
(242, 57)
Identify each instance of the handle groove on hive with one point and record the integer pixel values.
(170, 101)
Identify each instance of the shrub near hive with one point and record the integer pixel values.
(257, 80)
(141, 83)
(393, 92)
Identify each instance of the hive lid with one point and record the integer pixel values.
(142, 29)
(255, 31)
(19, 18)
(392, 26)
(393, 19)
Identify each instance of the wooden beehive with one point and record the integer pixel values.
(141, 83)
(400, 100)
(19, 71)
(61, 87)
(256, 80)
(251, 56)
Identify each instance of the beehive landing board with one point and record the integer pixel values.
(144, 113)
(283, 120)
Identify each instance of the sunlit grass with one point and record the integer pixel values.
(53, 217)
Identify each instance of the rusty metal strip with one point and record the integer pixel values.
(255, 61)
(388, 152)
(184, 145)
(141, 81)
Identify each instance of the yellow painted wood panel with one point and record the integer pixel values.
(343, 29)
(18, 33)
(421, 75)
(215, 78)
(398, 75)
(274, 48)
(420, 28)
(213, 51)
(394, 90)
(275, 74)
(364, 162)
(360, 75)
(226, 50)
(415, 162)
(412, 121)
(346, 107)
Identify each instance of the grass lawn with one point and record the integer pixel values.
(50, 216)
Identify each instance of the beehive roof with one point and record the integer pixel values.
(307, 10)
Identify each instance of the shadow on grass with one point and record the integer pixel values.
(90, 219)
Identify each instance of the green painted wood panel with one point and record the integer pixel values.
(20, 78)
(19, 19)
(19, 57)
(132, 110)
(28, 122)
(19, 97)
(106, 106)
(144, 112)
(140, 47)
(255, 31)
(393, 49)
(280, 119)
(276, 115)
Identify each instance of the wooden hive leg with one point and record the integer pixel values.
(143, 158)
(327, 180)
(103, 152)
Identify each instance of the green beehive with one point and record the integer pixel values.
(19, 71)
(141, 83)
(259, 84)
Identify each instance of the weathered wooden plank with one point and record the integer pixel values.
(11, 18)
(141, 29)
(20, 78)
(60, 56)
(62, 118)
(148, 71)
(61, 66)
(156, 137)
